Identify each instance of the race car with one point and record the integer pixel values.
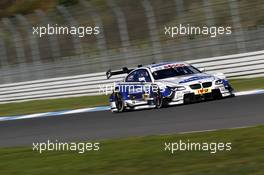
(165, 84)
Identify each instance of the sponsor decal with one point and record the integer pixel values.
(203, 91)
(169, 66)
(194, 79)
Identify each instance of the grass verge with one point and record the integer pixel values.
(146, 155)
(248, 84)
(91, 101)
(38, 106)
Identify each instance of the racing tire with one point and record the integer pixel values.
(231, 90)
(120, 105)
(216, 94)
(158, 100)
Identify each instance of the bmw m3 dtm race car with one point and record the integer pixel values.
(164, 84)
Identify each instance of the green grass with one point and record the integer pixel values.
(91, 101)
(146, 155)
(248, 84)
(52, 105)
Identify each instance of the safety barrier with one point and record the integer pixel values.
(244, 65)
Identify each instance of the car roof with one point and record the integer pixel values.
(154, 67)
(165, 63)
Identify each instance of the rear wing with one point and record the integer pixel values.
(124, 70)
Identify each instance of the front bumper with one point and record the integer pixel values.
(189, 96)
(192, 97)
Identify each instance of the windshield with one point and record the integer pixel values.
(173, 72)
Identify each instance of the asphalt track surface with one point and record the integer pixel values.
(226, 113)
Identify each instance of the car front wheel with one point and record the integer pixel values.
(158, 100)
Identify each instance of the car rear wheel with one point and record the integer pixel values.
(119, 102)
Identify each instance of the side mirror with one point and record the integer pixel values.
(142, 79)
(202, 69)
(220, 75)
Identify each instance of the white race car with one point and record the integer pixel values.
(164, 84)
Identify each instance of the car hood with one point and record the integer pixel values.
(187, 79)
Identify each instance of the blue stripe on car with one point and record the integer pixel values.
(194, 79)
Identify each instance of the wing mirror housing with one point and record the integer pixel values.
(202, 69)
(220, 75)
